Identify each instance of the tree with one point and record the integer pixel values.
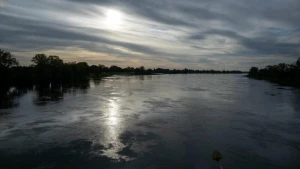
(82, 71)
(42, 70)
(142, 68)
(115, 68)
(283, 73)
(298, 63)
(282, 67)
(40, 59)
(7, 60)
(55, 61)
(253, 72)
(55, 66)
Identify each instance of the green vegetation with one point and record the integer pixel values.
(285, 74)
(51, 69)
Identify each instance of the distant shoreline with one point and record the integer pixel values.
(51, 69)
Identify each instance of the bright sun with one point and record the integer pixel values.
(113, 18)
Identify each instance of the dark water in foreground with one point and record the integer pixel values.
(151, 122)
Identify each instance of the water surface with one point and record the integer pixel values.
(152, 122)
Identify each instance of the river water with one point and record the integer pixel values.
(152, 122)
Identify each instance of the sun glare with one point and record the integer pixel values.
(113, 18)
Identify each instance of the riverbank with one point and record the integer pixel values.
(282, 73)
(277, 81)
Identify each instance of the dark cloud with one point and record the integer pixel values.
(197, 37)
(262, 45)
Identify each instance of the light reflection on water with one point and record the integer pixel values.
(113, 132)
(113, 112)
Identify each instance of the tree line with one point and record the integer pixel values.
(287, 74)
(51, 69)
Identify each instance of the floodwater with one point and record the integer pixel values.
(152, 122)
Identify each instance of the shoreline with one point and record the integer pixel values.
(276, 81)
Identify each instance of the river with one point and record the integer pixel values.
(152, 122)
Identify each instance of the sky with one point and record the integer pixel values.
(195, 34)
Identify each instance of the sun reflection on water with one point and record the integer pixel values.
(114, 128)
(113, 109)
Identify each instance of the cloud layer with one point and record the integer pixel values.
(198, 34)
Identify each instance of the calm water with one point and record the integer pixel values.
(152, 122)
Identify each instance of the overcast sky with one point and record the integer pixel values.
(197, 34)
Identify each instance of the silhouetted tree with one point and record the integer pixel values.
(7, 60)
(282, 73)
(298, 62)
(51, 69)
(115, 68)
(42, 67)
(253, 71)
(82, 70)
(140, 71)
(40, 60)
(55, 66)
